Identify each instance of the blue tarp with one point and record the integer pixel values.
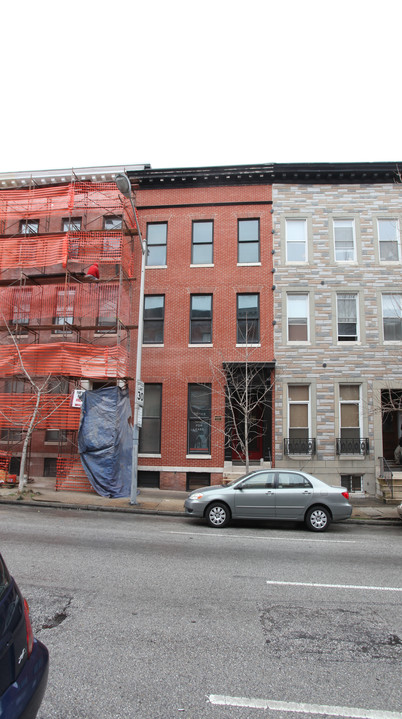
(105, 440)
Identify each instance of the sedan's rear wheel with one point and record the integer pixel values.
(318, 519)
(218, 514)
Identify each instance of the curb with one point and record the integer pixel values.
(160, 512)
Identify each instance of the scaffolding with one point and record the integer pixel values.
(56, 325)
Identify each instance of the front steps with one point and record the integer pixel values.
(385, 491)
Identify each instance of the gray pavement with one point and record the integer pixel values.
(158, 501)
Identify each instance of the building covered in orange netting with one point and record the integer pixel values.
(61, 328)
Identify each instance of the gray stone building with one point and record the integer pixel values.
(337, 287)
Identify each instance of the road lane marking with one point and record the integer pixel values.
(250, 536)
(301, 708)
(337, 586)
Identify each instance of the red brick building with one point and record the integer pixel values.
(208, 312)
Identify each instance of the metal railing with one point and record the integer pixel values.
(352, 446)
(387, 475)
(299, 445)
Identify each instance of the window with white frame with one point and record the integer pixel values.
(299, 418)
(388, 240)
(112, 243)
(344, 240)
(29, 227)
(22, 308)
(392, 317)
(350, 417)
(296, 240)
(64, 308)
(248, 245)
(71, 224)
(202, 246)
(297, 317)
(157, 243)
(347, 318)
(150, 433)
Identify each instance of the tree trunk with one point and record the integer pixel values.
(26, 442)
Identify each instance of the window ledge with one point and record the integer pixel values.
(345, 343)
(301, 342)
(202, 344)
(198, 456)
(149, 455)
(150, 344)
(244, 345)
(155, 267)
(349, 457)
(249, 264)
(208, 264)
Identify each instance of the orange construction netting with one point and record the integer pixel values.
(67, 198)
(55, 410)
(83, 305)
(71, 247)
(70, 360)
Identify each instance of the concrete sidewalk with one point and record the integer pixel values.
(158, 501)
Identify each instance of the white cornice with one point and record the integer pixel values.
(41, 178)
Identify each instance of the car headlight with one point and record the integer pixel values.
(198, 495)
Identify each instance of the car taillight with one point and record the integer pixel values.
(345, 494)
(30, 636)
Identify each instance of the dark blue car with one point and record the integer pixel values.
(24, 661)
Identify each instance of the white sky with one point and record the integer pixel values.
(181, 83)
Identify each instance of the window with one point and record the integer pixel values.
(352, 482)
(350, 412)
(111, 244)
(296, 240)
(202, 249)
(248, 319)
(29, 227)
(64, 308)
(388, 238)
(22, 308)
(71, 224)
(50, 467)
(201, 319)
(344, 238)
(298, 318)
(11, 435)
(290, 480)
(157, 239)
(107, 317)
(16, 386)
(199, 419)
(347, 318)
(298, 414)
(150, 432)
(55, 435)
(195, 480)
(261, 480)
(392, 317)
(248, 241)
(154, 311)
(58, 385)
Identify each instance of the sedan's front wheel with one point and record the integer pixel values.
(318, 519)
(218, 515)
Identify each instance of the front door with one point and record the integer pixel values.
(256, 498)
(255, 434)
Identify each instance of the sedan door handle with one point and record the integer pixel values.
(269, 491)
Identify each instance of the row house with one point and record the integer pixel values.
(272, 286)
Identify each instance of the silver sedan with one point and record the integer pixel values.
(276, 494)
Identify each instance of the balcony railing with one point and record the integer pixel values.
(299, 445)
(350, 445)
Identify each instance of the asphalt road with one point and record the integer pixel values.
(161, 617)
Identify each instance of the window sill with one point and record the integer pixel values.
(249, 264)
(149, 344)
(201, 344)
(345, 343)
(202, 265)
(149, 455)
(349, 457)
(294, 343)
(244, 345)
(198, 456)
(156, 267)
